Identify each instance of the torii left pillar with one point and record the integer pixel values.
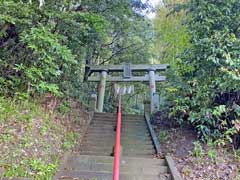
(101, 90)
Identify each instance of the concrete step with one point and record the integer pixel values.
(104, 114)
(111, 140)
(112, 128)
(103, 143)
(110, 149)
(125, 143)
(114, 121)
(111, 143)
(98, 149)
(133, 146)
(124, 124)
(98, 114)
(108, 159)
(85, 175)
(127, 137)
(96, 153)
(124, 132)
(100, 167)
(144, 154)
(107, 168)
(123, 136)
(124, 118)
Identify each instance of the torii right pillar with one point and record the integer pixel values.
(152, 85)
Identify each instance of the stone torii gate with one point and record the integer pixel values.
(127, 70)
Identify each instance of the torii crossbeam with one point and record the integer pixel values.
(127, 70)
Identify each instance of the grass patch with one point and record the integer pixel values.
(34, 168)
(70, 139)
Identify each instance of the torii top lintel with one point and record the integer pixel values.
(134, 67)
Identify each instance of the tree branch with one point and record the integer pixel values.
(116, 53)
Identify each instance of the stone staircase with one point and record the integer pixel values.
(100, 137)
(94, 161)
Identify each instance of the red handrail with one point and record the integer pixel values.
(117, 149)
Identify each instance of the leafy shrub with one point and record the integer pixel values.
(198, 151)
(208, 91)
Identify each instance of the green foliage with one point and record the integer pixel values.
(13, 109)
(163, 136)
(212, 151)
(31, 139)
(45, 48)
(171, 37)
(64, 107)
(35, 168)
(206, 81)
(35, 51)
(70, 139)
(198, 151)
(237, 154)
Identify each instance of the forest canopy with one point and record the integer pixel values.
(44, 46)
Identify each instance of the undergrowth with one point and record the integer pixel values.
(31, 139)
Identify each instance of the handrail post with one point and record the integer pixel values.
(93, 102)
(117, 149)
